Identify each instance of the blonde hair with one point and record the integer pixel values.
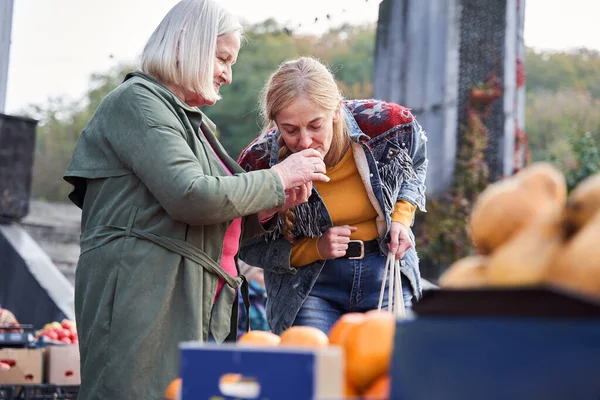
(182, 48)
(304, 76)
(309, 77)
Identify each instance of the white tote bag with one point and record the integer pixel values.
(392, 269)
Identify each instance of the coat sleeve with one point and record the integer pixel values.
(161, 157)
(269, 252)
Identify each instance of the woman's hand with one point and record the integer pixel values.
(399, 240)
(297, 195)
(293, 197)
(300, 168)
(334, 243)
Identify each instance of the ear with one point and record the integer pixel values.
(337, 114)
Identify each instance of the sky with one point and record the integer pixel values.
(56, 45)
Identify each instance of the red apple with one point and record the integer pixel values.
(66, 340)
(50, 334)
(63, 333)
(66, 324)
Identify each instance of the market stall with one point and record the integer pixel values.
(520, 319)
(38, 365)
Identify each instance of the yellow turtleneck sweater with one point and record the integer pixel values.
(346, 199)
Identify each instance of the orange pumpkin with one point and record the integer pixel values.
(262, 338)
(368, 349)
(304, 336)
(173, 391)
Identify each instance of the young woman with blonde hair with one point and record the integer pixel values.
(327, 256)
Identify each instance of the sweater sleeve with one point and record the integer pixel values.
(305, 251)
(404, 213)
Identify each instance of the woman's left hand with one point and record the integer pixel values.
(399, 240)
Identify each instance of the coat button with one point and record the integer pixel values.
(403, 263)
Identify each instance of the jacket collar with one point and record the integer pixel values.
(356, 134)
(169, 96)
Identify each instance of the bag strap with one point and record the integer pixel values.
(392, 268)
(399, 307)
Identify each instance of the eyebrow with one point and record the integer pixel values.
(310, 122)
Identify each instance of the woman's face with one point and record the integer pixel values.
(304, 125)
(228, 47)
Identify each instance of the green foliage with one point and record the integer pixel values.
(562, 121)
(563, 99)
(557, 71)
(61, 123)
(585, 159)
(551, 118)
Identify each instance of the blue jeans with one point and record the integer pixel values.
(346, 286)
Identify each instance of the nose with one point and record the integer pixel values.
(305, 140)
(227, 75)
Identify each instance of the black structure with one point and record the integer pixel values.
(17, 146)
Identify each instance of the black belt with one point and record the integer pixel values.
(357, 249)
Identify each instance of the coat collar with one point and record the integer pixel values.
(170, 96)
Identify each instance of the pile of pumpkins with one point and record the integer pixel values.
(366, 340)
(528, 232)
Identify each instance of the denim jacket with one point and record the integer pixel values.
(390, 152)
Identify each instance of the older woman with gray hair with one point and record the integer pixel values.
(164, 209)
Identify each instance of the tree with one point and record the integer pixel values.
(61, 123)
(552, 118)
(555, 71)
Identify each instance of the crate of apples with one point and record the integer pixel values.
(63, 332)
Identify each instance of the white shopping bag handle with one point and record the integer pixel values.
(392, 268)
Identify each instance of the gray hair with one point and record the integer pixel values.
(182, 48)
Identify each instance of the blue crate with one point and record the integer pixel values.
(496, 358)
(282, 373)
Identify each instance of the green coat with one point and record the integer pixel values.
(156, 204)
